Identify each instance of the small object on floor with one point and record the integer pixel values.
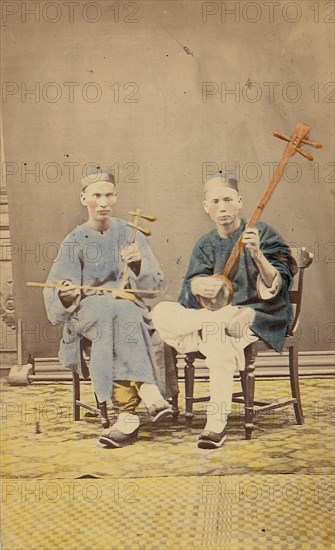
(161, 410)
(37, 428)
(115, 439)
(211, 440)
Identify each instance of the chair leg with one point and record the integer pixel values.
(175, 408)
(242, 380)
(103, 412)
(76, 395)
(189, 389)
(294, 379)
(174, 398)
(249, 394)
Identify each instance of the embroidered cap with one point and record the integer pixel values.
(98, 174)
(226, 179)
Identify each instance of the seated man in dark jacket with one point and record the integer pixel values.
(260, 307)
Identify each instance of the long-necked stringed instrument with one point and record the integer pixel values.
(225, 294)
(120, 292)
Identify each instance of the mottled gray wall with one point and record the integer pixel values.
(153, 120)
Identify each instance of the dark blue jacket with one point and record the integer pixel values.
(209, 256)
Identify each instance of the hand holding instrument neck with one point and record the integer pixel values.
(121, 292)
(137, 215)
(225, 294)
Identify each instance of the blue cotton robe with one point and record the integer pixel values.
(209, 256)
(119, 330)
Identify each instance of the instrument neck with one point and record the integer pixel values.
(236, 252)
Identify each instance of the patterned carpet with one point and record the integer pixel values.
(62, 490)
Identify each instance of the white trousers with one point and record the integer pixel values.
(180, 327)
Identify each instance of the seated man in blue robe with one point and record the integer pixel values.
(121, 361)
(260, 308)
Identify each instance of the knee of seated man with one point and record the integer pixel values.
(127, 309)
(163, 312)
(105, 307)
(92, 308)
(240, 322)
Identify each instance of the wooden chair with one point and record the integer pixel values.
(101, 408)
(254, 408)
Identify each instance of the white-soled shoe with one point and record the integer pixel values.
(161, 410)
(114, 439)
(211, 440)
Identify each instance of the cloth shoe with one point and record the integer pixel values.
(211, 440)
(156, 405)
(115, 439)
(161, 410)
(124, 432)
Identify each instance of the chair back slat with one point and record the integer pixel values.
(294, 296)
(304, 259)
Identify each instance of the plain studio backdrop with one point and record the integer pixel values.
(165, 93)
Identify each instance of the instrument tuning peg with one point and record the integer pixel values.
(280, 136)
(312, 143)
(304, 154)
